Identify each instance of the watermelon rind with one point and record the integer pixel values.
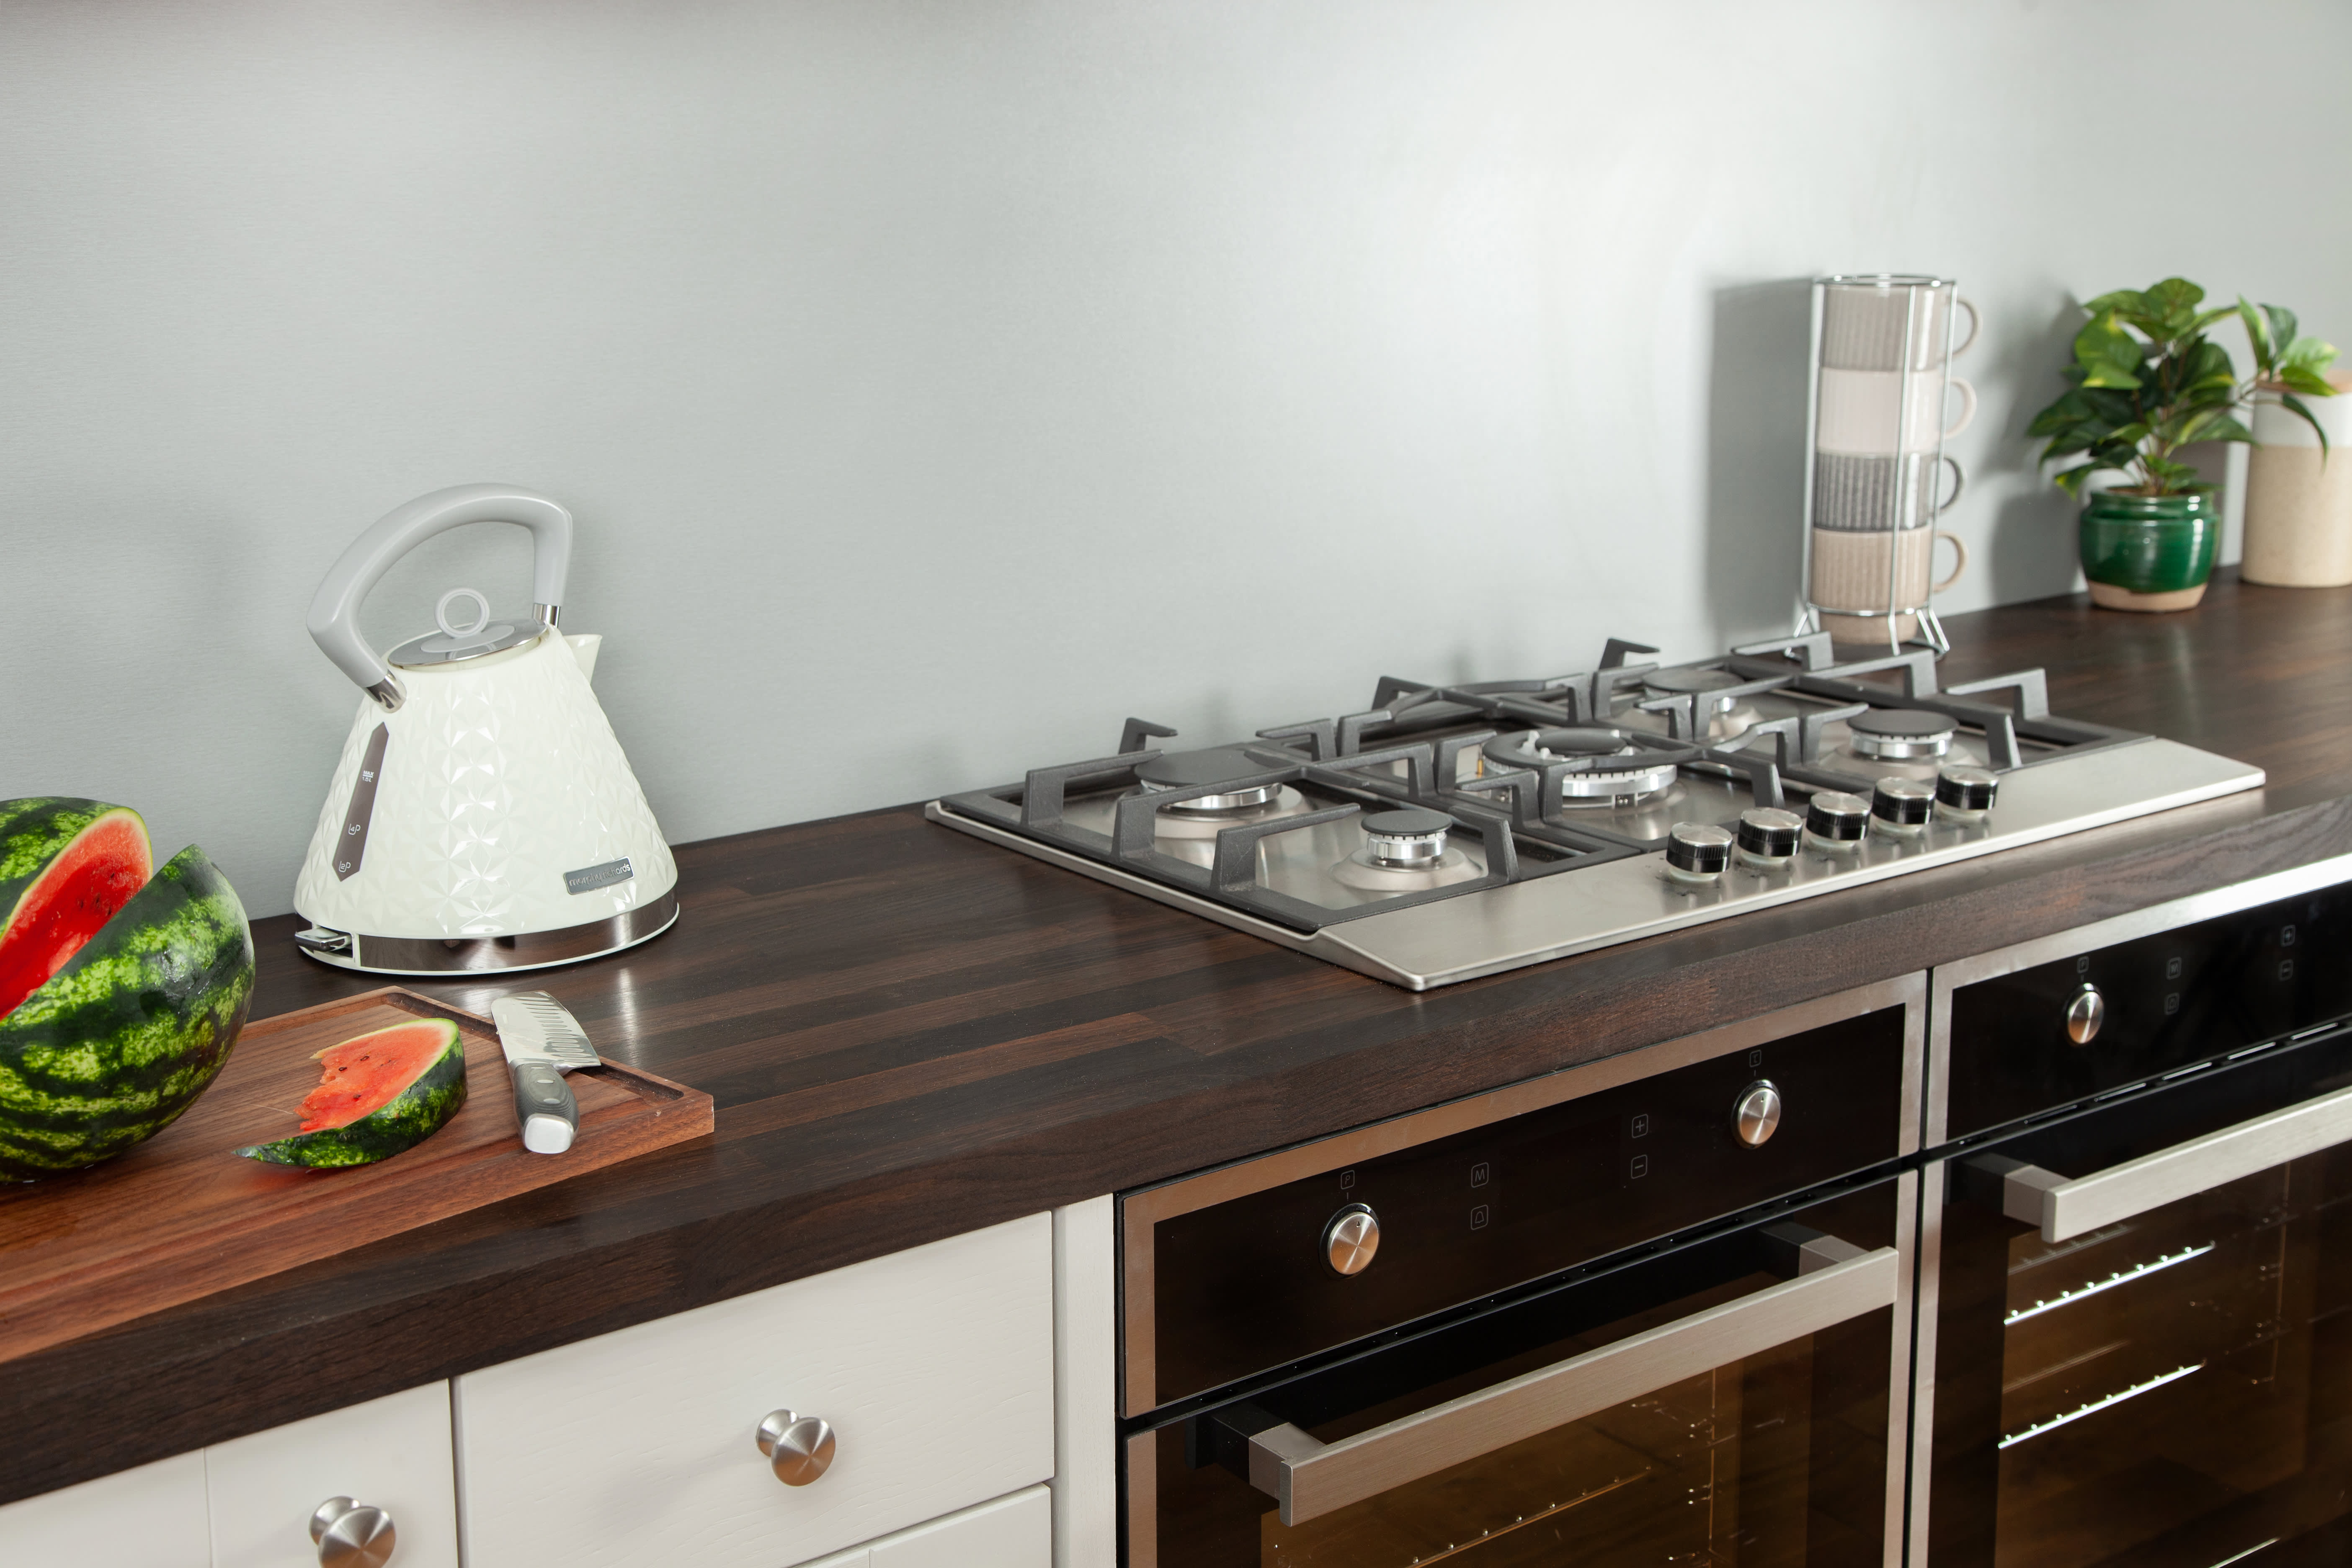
(34, 832)
(121, 1040)
(400, 1124)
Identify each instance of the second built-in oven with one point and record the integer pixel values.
(1653, 1309)
(2136, 1296)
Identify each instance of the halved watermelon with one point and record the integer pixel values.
(382, 1093)
(67, 867)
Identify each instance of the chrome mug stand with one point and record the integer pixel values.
(1919, 289)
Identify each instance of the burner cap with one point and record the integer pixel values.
(1408, 838)
(1677, 682)
(1903, 724)
(1582, 743)
(1897, 733)
(1407, 822)
(1183, 770)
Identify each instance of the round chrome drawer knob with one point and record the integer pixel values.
(1967, 792)
(1756, 1114)
(1835, 822)
(352, 1534)
(799, 1447)
(1697, 852)
(1768, 837)
(1350, 1239)
(2084, 1015)
(1902, 806)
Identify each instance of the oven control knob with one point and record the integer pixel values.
(2084, 1015)
(1756, 1114)
(1350, 1239)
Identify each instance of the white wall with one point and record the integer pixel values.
(938, 383)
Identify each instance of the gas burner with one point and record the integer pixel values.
(1688, 678)
(1893, 733)
(1190, 770)
(1604, 767)
(1405, 849)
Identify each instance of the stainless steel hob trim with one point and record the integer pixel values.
(1142, 1210)
(1597, 906)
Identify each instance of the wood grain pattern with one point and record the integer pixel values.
(910, 1034)
(183, 1215)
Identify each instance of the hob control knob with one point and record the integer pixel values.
(1756, 1114)
(1902, 806)
(2084, 1015)
(1967, 792)
(1768, 836)
(1698, 851)
(1351, 1238)
(1835, 822)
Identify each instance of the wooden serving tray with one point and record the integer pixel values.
(182, 1215)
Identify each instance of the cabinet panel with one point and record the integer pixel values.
(934, 1367)
(393, 1453)
(1015, 1531)
(153, 1517)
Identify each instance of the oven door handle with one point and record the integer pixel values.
(1310, 1478)
(2064, 1209)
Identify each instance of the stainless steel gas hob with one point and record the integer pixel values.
(1452, 831)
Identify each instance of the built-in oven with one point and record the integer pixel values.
(1654, 1309)
(2136, 1293)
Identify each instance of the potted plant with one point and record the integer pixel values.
(2146, 381)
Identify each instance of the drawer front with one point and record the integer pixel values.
(934, 1367)
(393, 1454)
(153, 1517)
(1015, 1531)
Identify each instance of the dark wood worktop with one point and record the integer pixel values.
(911, 1033)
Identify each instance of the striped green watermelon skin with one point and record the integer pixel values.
(401, 1123)
(137, 1024)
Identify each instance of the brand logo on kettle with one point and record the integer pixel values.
(588, 878)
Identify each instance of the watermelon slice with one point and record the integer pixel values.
(381, 1093)
(67, 867)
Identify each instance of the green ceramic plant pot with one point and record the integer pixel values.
(2149, 553)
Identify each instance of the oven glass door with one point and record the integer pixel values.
(2143, 1331)
(1724, 1402)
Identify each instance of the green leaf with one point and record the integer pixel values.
(2109, 356)
(2294, 405)
(2207, 318)
(2308, 353)
(2071, 481)
(2311, 383)
(2283, 325)
(2208, 364)
(2211, 425)
(2258, 332)
(2175, 294)
(2122, 302)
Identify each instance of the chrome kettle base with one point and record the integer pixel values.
(474, 956)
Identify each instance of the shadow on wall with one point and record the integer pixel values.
(1755, 455)
(2033, 550)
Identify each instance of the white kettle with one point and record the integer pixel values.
(482, 816)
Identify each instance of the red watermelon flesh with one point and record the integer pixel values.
(367, 1072)
(92, 878)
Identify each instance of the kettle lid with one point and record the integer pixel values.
(453, 643)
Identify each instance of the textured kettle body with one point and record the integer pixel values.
(498, 777)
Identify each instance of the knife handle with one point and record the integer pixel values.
(544, 1106)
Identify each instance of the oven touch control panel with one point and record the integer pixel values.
(2051, 1036)
(1260, 1279)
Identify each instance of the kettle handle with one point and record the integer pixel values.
(334, 609)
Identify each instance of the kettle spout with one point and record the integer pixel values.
(583, 649)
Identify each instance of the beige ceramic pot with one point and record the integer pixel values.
(2298, 499)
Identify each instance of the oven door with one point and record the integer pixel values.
(2137, 1321)
(1722, 1400)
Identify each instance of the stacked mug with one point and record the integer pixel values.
(1880, 477)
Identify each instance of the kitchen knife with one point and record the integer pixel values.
(542, 1041)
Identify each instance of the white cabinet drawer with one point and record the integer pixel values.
(934, 1366)
(393, 1453)
(153, 1517)
(1015, 1531)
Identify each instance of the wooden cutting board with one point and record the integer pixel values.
(182, 1215)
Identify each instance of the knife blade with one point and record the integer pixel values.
(542, 1042)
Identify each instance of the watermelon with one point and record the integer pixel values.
(381, 1093)
(65, 867)
(131, 1027)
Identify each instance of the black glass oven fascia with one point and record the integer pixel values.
(2172, 1388)
(1781, 1456)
